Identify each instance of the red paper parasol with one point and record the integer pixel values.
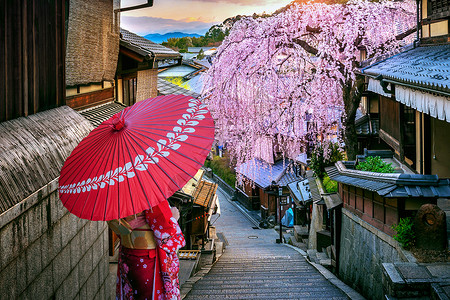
(137, 159)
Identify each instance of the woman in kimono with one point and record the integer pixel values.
(148, 263)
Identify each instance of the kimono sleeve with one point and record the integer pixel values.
(165, 228)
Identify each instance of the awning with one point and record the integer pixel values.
(434, 105)
(421, 78)
(218, 211)
(375, 86)
(190, 187)
(214, 204)
(204, 193)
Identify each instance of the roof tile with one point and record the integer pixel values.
(147, 46)
(427, 66)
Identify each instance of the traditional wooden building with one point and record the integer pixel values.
(262, 181)
(92, 52)
(372, 203)
(382, 199)
(412, 89)
(46, 252)
(137, 70)
(197, 202)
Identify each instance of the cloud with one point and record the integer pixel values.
(146, 25)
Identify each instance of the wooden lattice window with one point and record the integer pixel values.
(438, 9)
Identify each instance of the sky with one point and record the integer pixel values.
(190, 16)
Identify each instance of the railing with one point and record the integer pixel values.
(225, 186)
(250, 202)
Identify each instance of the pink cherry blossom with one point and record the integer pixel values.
(291, 78)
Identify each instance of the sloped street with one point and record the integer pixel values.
(253, 266)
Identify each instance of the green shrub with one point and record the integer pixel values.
(220, 167)
(375, 164)
(330, 186)
(405, 232)
(319, 162)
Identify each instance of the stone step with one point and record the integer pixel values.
(272, 294)
(321, 256)
(300, 245)
(325, 262)
(312, 255)
(238, 289)
(260, 280)
(300, 232)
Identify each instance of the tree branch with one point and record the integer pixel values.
(313, 29)
(401, 36)
(308, 48)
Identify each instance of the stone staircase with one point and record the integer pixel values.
(416, 281)
(299, 239)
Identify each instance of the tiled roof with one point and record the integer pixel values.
(195, 84)
(178, 70)
(101, 113)
(392, 185)
(197, 49)
(262, 173)
(167, 88)
(147, 46)
(427, 67)
(288, 177)
(367, 126)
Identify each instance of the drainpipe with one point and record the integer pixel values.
(148, 4)
(417, 41)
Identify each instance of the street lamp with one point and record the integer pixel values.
(278, 199)
(280, 193)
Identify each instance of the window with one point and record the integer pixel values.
(129, 91)
(409, 135)
(437, 9)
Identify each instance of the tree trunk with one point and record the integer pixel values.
(352, 98)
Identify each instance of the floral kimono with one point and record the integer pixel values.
(152, 273)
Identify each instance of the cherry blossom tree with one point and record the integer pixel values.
(292, 78)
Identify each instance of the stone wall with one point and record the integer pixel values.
(363, 250)
(48, 253)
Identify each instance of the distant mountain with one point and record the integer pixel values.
(159, 38)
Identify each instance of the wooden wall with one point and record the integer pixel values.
(85, 100)
(390, 122)
(32, 53)
(379, 212)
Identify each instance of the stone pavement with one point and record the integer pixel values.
(253, 266)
